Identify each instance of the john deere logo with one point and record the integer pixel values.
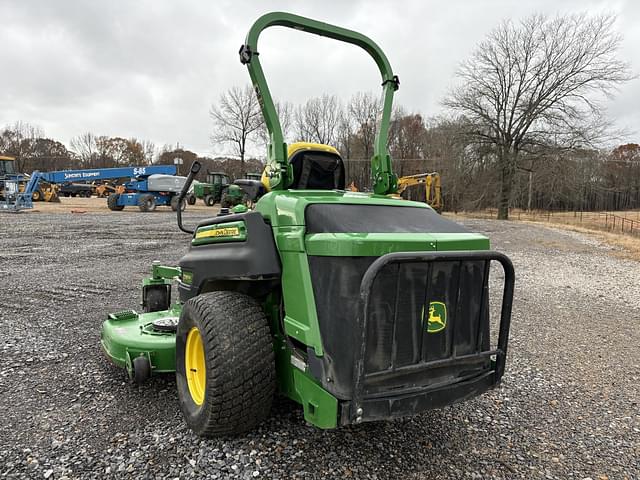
(437, 320)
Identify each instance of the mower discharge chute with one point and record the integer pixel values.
(359, 306)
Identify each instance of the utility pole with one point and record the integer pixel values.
(530, 186)
(177, 162)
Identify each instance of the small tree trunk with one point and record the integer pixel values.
(507, 161)
(242, 149)
(530, 190)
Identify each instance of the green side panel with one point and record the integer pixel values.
(130, 334)
(301, 321)
(320, 407)
(367, 244)
(461, 241)
(220, 232)
(284, 369)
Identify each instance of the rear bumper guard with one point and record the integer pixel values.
(413, 399)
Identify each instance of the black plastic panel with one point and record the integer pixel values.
(255, 259)
(351, 218)
(397, 339)
(336, 284)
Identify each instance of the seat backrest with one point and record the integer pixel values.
(317, 170)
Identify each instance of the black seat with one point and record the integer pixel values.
(317, 170)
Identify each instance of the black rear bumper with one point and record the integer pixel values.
(404, 405)
(456, 373)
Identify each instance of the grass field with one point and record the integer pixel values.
(620, 229)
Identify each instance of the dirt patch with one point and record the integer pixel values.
(99, 205)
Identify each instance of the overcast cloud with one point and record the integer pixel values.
(151, 69)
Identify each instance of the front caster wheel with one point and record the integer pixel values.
(141, 369)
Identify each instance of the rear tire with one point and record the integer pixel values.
(112, 202)
(233, 342)
(174, 203)
(209, 200)
(147, 202)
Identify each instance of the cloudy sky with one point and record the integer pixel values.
(151, 69)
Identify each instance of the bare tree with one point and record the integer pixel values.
(236, 119)
(148, 151)
(285, 114)
(345, 134)
(318, 119)
(19, 141)
(364, 108)
(85, 148)
(406, 140)
(537, 80)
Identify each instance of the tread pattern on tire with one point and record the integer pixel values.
(240, 363)
(112, 202)
(146, 202)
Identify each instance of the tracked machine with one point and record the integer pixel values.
(358, 306)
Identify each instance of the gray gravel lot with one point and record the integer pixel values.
(569, 405)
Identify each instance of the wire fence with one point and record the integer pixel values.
(627, 223)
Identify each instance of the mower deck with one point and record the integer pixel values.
(131, 339)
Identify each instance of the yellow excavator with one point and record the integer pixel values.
(105, 189)
(432, 187)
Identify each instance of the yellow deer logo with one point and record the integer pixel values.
(437, 320)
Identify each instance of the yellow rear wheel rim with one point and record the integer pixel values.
(195, 366)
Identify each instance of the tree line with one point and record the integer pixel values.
(524, 126)
(33, 150)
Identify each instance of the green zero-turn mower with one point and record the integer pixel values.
(359, 306)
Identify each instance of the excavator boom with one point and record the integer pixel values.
(432, 187)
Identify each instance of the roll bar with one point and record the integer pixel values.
(279, 172)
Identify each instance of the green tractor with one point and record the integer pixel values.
(358, 306)
(243, 191)
(211, 191)
(254, 176)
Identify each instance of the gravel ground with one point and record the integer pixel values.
(568, 407)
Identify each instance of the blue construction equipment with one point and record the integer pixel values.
(149, 186)
(10, 184)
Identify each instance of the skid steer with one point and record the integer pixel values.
(358, 306)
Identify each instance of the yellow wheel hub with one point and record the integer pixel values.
(195, 366)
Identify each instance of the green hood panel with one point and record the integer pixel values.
(378, 244)
(286, 208)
